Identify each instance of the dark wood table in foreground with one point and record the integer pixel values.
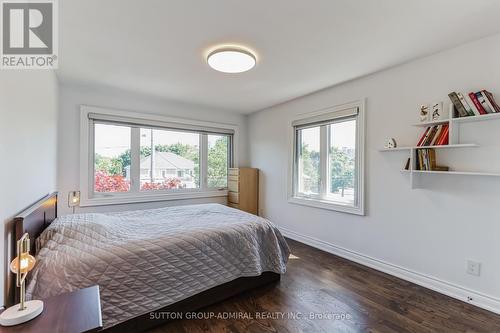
(74, 312)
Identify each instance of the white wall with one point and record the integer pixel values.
(72, 96)
(28, 129)
(426, 234)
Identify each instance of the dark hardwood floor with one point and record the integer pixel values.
(348, 296)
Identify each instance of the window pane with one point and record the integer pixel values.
(169, 160)
(342, 161)
(112, 158)
(218, 160)
(308, 161)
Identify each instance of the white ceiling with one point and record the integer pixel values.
(157, 47)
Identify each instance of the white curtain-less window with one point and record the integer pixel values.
(327, 170)
(137, 160)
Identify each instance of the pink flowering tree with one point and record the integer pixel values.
(104, 182)
(172, 183)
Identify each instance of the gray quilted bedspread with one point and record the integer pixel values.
(145, 260)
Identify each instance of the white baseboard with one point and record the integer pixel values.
(466, 295)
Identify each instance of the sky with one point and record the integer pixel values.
(111, 140)
(341, 135)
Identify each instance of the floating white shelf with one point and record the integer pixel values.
(490, 116)
(470, 119)
(459, 145)
(451, 172)
(432, 123)
(454, 140)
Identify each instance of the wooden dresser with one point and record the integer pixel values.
(243, 185)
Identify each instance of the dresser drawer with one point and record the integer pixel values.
(233, 178)
(233, 205)
(234, 172)
(233, 185)
(233, 197)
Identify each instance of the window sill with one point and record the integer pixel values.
(141, 198)
(324, 204)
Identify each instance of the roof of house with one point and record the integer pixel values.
(167, 160)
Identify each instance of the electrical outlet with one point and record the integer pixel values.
(473, 268)
(261, 212)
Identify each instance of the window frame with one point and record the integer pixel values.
(320, 200)
(137, 120)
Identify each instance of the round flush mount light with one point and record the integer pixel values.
(231, 60)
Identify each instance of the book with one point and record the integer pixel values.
(407, 164)
(431, 153)
(476, 103)
(426, 159)
(431, 135)
(446, 138)
(472, 105)
(434, 136)
(422, 138)
(458, 105)
(427, 133)
(443, 140)
(481, 100)
(441, 168)
(490, 105)
(465, 104)
(437, 135)
(492, 100)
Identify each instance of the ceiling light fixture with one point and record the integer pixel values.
(231, 60)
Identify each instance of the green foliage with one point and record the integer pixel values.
(310, 169)
(112, 166)
(218, 163)
(145, 151)
(184, 150)
(341, 170)
(125, 159)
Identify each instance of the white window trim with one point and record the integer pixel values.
(360, 151)
(86, 160)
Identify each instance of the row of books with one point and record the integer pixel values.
(474, 104)
(435, 136)
(426, 161)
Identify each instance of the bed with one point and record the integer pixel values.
(171, 259)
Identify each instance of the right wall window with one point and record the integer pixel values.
(328, 160)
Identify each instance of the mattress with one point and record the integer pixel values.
(145, 260)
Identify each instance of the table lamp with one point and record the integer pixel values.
(21, 265)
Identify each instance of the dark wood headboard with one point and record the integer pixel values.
(36, 218)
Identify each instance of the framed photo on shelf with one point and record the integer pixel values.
(424, 113)
(437, 111)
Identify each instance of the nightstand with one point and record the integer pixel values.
(74, 312)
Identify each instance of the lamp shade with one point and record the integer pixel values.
(73, 198)
(27, 263)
